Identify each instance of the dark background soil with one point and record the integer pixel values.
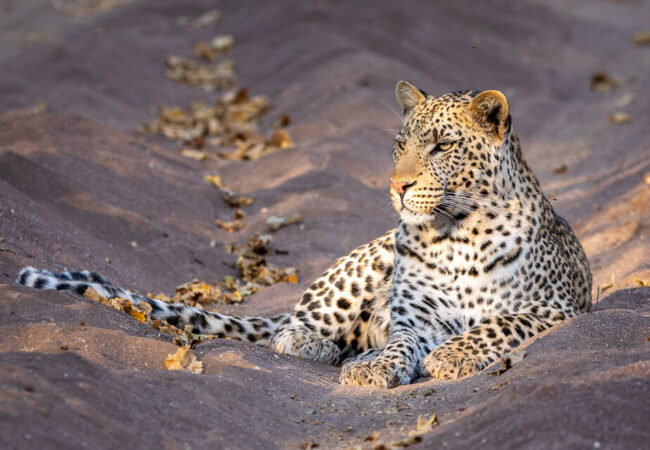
(79, 182)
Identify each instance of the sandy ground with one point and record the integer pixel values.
(79, 183)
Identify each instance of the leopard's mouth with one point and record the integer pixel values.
(412, 217)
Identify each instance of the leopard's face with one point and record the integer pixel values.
(444, 154)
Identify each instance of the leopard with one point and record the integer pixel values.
(478, 264)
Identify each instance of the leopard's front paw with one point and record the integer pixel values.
(376, 373)
(306, 346)
(451, 364)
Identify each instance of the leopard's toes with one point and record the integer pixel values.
(451, 365)
(319, 350)
(373, 373)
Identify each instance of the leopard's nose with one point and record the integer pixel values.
(401, 186)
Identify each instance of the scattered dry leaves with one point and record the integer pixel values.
(220, 75)
(602, 82)
(253, 267)
(233, 121)
(195, 293)
(140, 312)
(184, 359)
(275, 223)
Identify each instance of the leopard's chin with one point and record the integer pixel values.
(415, 218)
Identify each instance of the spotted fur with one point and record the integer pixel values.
(478, 264)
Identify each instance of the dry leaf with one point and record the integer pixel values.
(604, 287)
(229, 196)
(508, 361)
(280, 139)
(641, 38)
(204, 51)
(620, 117)
(235, 225)
(642, 283)
(233, 200)
(275, 223)
(559, 169)
(194, 154)
(209, 18)
(92, 294)
(140, 312)
(222, 43)
(626, 99)
(602, 82)
(214, 180)
(139, 315)
(424, 426)
(184, 359)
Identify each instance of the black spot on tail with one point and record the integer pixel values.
(173, 320)
(238, 325)
(63, 286)
(198, 320)
(77, 276)
(40, 283)
(97, 278)
(23, 277)
(80, 288)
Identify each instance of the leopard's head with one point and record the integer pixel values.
(447, 153)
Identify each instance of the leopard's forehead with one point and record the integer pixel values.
(436, 114)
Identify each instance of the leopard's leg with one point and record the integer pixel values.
(465, 354)
(395, 364)
(338, 305)
(368, 355)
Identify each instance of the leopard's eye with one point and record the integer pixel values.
(441, 147)
(399, 142)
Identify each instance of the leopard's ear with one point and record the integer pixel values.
(409, 96)
(490, 110)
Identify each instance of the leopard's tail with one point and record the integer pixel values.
(251, 329)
